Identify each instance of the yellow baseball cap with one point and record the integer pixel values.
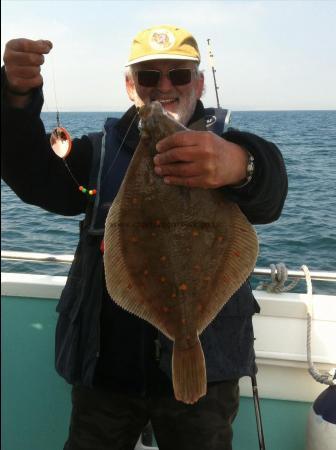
(163, 42)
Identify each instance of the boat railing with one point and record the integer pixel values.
(8, 255)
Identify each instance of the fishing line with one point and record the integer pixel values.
(61, 142)
(54, 88)
(60, 139)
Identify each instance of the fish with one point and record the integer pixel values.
(174, 255)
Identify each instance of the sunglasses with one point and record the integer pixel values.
(177, 77)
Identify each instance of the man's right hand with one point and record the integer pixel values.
(23, 59)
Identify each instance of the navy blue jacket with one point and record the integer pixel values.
(96, 341)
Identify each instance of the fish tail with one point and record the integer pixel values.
(189, 374)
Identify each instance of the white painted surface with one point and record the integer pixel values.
(280, 331)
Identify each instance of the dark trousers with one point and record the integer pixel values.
(104, 420)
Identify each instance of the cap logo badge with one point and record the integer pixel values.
(161, 39)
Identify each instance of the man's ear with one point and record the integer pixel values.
(130, 87)
(200, 86)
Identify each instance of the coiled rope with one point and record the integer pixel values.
(323, 377)
(279, 276)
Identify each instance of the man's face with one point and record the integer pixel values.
(180, 101)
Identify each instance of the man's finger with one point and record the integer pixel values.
(24, 59)
(179, 139)
(178, 170)
(174, 155)
(29, 46)
(25, 84)
(26, 72)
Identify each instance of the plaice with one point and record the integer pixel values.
(174, 255)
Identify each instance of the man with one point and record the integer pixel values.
(119, 365)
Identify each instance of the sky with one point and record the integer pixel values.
(269, 55)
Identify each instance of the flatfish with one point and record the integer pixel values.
(174, 255)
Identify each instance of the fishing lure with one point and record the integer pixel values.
(61, 143)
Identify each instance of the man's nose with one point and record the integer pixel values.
(164, 83)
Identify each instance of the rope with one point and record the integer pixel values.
(324, 377)
(279, 276)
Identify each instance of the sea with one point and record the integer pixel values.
(304, 234)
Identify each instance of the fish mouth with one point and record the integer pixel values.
(169, 104)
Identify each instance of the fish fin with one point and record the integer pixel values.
(121, 284)
(189, 373)
(235, 266)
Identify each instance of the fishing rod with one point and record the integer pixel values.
(211, 56)
(256, 402)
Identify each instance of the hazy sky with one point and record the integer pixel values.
(268, 54)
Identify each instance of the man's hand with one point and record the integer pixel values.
(200, 159)
(23, 59)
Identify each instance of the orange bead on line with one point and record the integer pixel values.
(86, 191)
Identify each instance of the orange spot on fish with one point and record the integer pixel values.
(220, 238)
(162, 279)
(163, 258)
(195, 233)
(183, 321)
(236, 253)
(197, 267)
(129, 286)
(134, 239)
(165, 309)
(200, 307)
(173, 295)
(207, 278)
(158, 222)
(183, 287)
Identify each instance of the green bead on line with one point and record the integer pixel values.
(86, 191)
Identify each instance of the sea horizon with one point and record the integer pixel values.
(232, 110)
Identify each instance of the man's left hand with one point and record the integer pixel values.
(200, 159)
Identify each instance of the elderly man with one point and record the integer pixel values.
(119, 365)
